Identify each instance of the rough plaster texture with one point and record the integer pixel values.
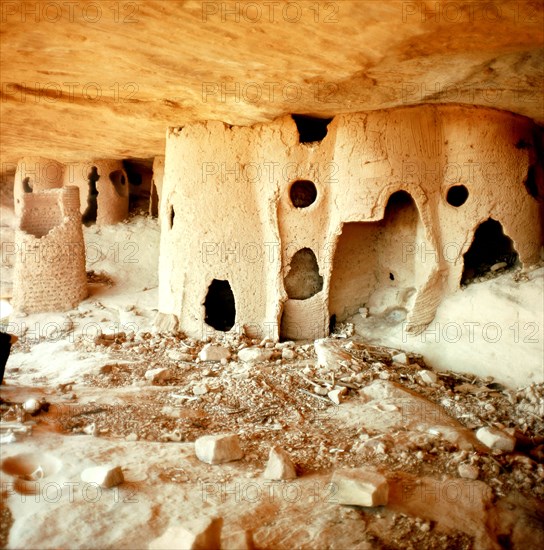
(42, 173)
(50, 253)
(227, 191)
(156, 186)
(112, 187)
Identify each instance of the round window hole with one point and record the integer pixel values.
(303, 193)
(457, 195)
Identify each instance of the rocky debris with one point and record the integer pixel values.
(428, 376)
(279, 466)
(288, 354)
(216, 449)
(166, 323)
(495, 439)
(330, 354)
(155, 376)
(468, 471)
(200, 389)
(106, 476)
(214, 352)
(360, 487)
(337, 394)
(400, 358)
(254, 355)
(199, 534)
(177, 355)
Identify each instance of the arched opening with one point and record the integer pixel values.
(89, 216)
(302, 193)
(303, 280)
(26, 185)
(220, 310)
(491, 251)
(311, 129)
(378, 265)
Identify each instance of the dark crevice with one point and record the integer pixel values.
(219, 306)
(311, 129)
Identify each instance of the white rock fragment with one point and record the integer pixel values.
(200, 534)
(158, 375)
(254, 355)
(177, 355)
(336, 395)
(7, 437)
(213, 352)
(200, 389)
(400, 358)
(468, 471)
(496, 439)
(216, 449)
(428, 376)
(330, 354)
(363, 311)
(279, 466)
(31, 406)
(106, 476)
(497, 266)
(288, 354)
(166, 323)
(358, 487)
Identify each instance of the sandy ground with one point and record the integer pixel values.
(103, 390)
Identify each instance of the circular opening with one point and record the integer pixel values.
(303, 193)
(457, 195)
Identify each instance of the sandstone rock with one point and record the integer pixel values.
(400, 358)
(200, 389)
(200, 534)
(213, 352)
(31, 406)
(254, 355)
(158, 375)
(167, 323)
(358, 487)
(106, 476)
(288, 354)
(468, 471)
(428, 376)
(279, 466)
(177, 355)
(329, 354)
(216, 449)
(496, 439)
(336, 395)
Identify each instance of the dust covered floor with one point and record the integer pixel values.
(93, 372)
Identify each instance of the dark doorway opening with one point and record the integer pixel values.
(219, 306)
(311, 129)
(490, 247)
(26, 185)
(89, 216)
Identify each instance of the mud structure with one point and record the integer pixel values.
(283, 228)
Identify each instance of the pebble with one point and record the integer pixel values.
(498, 265)
(288, 354)
(360, 487)
(400, 358)
(428, 376)
(279, 466)
(468, 471)
(31, 406)
(158, 375)
(254, 355)
(496, 439)
(106, 476)
(193, 535)
(200, 389)
(336, 395)
(213, 352)
(216, 449)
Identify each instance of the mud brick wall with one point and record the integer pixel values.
(376, 205)
(50, 262)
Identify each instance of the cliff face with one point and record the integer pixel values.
(84, 80)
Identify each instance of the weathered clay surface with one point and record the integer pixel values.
(82, 82)
(382, 228)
